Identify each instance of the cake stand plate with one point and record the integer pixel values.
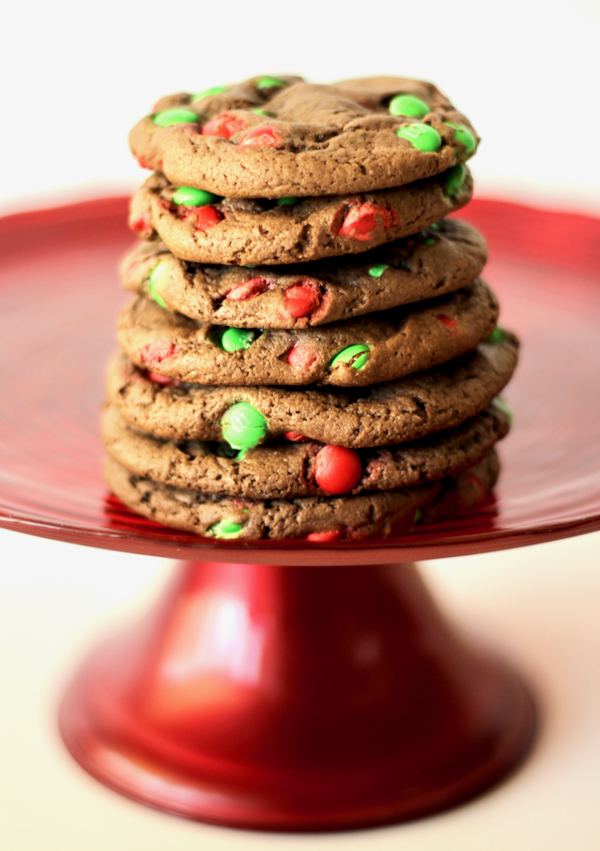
(290, 685)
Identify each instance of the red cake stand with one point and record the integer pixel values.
(289, 685)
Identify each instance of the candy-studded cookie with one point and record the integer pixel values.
(276, 137)
(317, 519)
(244, 417)
(204, 228)
(293, 468)
(440, 259)
(357, 352)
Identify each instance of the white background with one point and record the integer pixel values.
(76, 76)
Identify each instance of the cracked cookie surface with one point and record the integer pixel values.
(293, 138)
(241, 232)
(354, 353)
(440, 259)
(324, 519)
(395, 412)
(285, 470)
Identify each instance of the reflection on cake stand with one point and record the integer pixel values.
(289, 685)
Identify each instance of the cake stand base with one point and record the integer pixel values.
(296, 698)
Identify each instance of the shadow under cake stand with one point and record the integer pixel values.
(287, 685)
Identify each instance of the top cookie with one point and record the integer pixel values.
(278, 137)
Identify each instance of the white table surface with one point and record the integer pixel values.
(540, 605)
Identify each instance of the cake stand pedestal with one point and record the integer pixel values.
(296, 698)
(289, 685)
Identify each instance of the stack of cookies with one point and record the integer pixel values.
(311, 352)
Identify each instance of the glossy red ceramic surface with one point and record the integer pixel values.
(304, 698)
(60, 297)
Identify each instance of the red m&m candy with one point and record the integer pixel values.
(448, 322)
(302, 300)
(249, 289)
(262, 135)
(302, 356)
(324, 537)
(337, 470)
(295, 437)
(141, 224)
(158, 351)
(223, 126)
(474, 482)
(163, 380)
(207, 217)
(361, 221)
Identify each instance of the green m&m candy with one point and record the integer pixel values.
(234, 339)
(455, 177)
(208, 93)
(502, 406)
(175, 116)
(154, 279)
(429, 241)
(498, 335)
(463, 135)
(408, 106)
(263, 112)
(188, 197)
(417, 517)
(356, 355)
(223, 450)
(243, 427)
(378, 269)
(421, 136)
(283, 202)
(270, 83)
(225, 529)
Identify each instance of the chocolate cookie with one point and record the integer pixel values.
(320, 519)
(288, 470)
(357, 352)
(440, 259)
(204, 228)
(280, 136)
(422, 403)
